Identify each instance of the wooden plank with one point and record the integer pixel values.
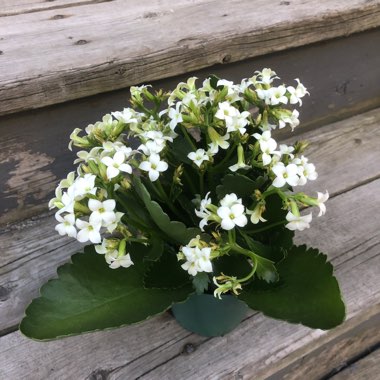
(367, 368)
(258, 348)
(27, 246)
(82, 55)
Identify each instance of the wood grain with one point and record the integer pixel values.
(258, 348)
(367, 368)
(83, 55)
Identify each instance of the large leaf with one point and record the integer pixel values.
(307, 292)
(166, 273)
(89, 296)
(177, 231)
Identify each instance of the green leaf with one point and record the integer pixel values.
(89, 296)
(266, 269)
(307, 292)
(239, 184)
(213, 82)
(156, 248)
(200, 282)
(177, 231)
(166, 273)
(232, 265)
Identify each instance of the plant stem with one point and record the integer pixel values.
(225, 159)
(201, 183)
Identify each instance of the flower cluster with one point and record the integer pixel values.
(207, 157)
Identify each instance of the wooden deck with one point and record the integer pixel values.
(55, 51)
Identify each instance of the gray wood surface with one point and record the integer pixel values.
(89, 47)
(367, 368)
(260, 347)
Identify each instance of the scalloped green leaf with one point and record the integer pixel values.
(89, 296)
(307, 292)
(175, 230)
(200, 282)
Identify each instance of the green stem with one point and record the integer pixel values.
(236, 248)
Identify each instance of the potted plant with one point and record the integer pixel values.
(188, 202)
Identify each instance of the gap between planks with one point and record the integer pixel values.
(154, 41)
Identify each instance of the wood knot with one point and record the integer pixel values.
(81, 42)
(226, 58)
(150, 15)
(99, 374)
(1, 52)
(188, 348)
(4, 293)
(284, 2)
(58, 17)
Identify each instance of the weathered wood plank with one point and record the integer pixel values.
(258, 348)
(367, 368)
(27, 247)
(12, 7)
(82, 55)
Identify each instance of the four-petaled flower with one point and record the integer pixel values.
(232, 216)
(154, 166)
(298, 222)
(116, 164)
(198, 157)
(285, 175)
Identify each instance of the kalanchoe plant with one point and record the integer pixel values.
(188, 192)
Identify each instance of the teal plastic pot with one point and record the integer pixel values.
(209, 316)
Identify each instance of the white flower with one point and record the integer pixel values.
(267, 146)
(116, 165)
(322, 198)
(241, 160)
(198, 157)
(197, 259)
(175, 116)
(306, 171)
(298, 222)
(84, 185)
(102, 212)
(238, 122)
(285, 174)
(256, 214)
(233, 90)
(88, 232)
(264, 95)
(124, 261)
(154, 166)
(67, 200)
(297, 93)
(226, 111)
(111, 227)
(266, 76)
(157, 136)
(127, 116)
(292, 120)
(203, 212)
(232, 216)
(151, 147)
(217, 140)
(285, 150)
(229, 200)
(66, 225)
(277, 95)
